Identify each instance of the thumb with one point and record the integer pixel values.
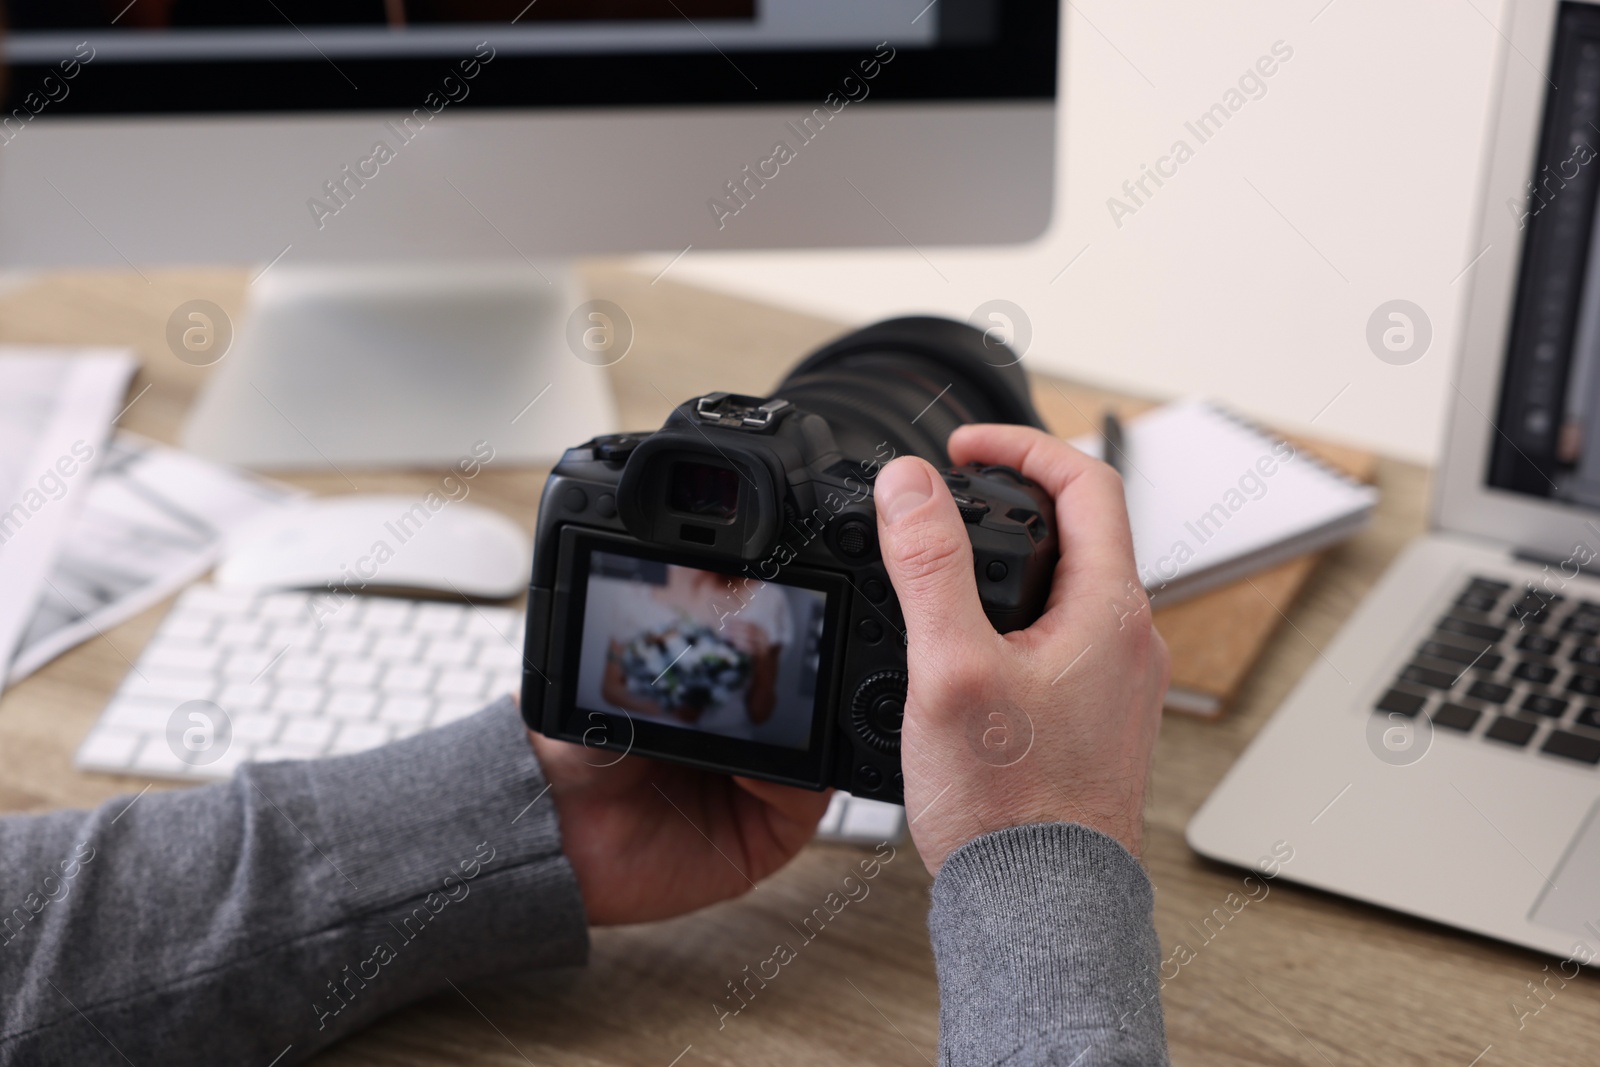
(929, 558)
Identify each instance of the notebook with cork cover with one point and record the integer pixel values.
(1219, 603)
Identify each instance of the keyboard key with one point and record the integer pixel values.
(1482, 603)
(500, 656)
(107, 748)
(351, 704)
(237, 603)
(438, 619)
(1538, 673)
(246, 665)
(291, 635)
(285, 607)
(1401, 702)
(401, 709)
(190, 627)
(387, 614)
(1548, 706)
(462, 682)
(1456, 717)
(245, 634)
(297, 699)
(307, 733)
(154, 757)
(1490, 692)
(354, 673)
(1587, 655)
(330, 612)
(344, 643)
(242, 696)
(1584, 685)
(1478, 658)
(1533, 607)
(1589, 717)
(1488, 585)
(1539, 644)
(398, 647)
(172, 689)
(1582, 623)
(140, 716)
(300, 667)
(358, 737)
(1467, 628)
(255, 727)
(170, 656)
(1572, 746)
(450, 652)
(277, 754)
(403, 678)
(1511, 731)
(487, 623)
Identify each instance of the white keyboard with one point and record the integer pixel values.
(236, 676)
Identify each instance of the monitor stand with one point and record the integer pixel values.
(413, 365)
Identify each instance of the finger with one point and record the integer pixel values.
(1091, 511)
(803, 807)
(929, 557)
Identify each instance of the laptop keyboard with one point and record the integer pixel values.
(235, 676)
(1513, 666)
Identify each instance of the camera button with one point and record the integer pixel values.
(870, 777)
(875, 590)
(996, 571)
(605, 505)
(854, 539)
(615, 448)
(1010, 472)
(956, 479)
(575, 499)
(871, 631)
(971, 508)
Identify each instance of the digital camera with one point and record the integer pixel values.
(712, 593)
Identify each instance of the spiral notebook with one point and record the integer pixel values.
(1213, 497)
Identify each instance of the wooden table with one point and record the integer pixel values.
(1301, 977)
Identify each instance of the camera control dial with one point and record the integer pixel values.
(878, 707)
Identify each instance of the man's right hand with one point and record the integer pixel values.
(1054, 723)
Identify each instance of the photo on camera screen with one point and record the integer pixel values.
(700, 650)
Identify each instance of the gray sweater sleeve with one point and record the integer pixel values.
(1047, 952)
(270, 915)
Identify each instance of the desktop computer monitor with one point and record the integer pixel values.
(406, 178)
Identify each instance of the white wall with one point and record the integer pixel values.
(1367, 142)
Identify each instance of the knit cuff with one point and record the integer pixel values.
(1044, 941)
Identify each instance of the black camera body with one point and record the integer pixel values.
(713, 593)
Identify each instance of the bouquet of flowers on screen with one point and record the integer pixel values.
(686, 668)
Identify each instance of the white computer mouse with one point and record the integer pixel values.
(387, 542)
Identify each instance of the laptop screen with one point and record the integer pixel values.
(1548, 439)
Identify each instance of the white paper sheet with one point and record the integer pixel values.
(56, 410)
(154, 520)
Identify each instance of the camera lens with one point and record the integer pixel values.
(908, 384)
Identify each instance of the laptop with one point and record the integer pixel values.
(1442, 756)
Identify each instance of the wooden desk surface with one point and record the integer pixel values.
(1348, 984)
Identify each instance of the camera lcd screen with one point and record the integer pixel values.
(701, 650)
